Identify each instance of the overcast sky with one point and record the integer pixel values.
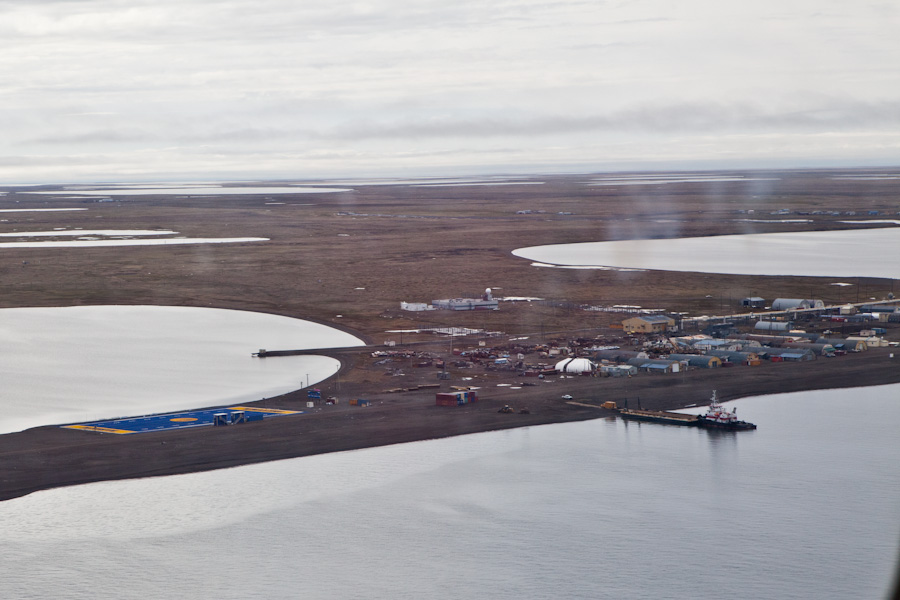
(183, 89)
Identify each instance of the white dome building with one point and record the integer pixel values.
(575, 365)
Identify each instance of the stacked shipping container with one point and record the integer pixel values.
(455, 398)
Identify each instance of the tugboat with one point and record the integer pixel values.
(719, 417)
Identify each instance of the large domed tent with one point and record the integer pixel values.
(575, 365)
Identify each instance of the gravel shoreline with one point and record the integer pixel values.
(48, 457)
(348, 259)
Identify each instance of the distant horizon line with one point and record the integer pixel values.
(513, 172)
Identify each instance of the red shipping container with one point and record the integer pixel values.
(445, 399)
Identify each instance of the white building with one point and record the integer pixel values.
(575, 365)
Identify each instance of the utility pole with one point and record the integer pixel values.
(449, 356)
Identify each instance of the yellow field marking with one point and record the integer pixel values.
(100, 429)
(183, 419)
(583, 404)
(266, 410)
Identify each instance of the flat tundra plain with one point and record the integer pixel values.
(349, 258)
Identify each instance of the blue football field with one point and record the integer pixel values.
(182, 420)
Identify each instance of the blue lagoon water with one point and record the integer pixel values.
(807, 506)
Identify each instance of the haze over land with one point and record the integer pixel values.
(400, 108)
(101, 90)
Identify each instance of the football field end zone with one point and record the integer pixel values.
(98, 428)
(181, 420)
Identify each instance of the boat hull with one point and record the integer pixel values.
(734, 426)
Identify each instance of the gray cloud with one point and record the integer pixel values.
(679, 118)
(698, 118)
(193, 86)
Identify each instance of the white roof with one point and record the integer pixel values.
(574, 365)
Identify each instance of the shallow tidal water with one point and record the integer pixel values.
(807, 506)
(82, 363)
(848, 253)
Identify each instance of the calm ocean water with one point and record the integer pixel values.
(807, 506)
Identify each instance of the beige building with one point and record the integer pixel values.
(647, 324)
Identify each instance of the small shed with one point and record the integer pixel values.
(754, 302)
(848, 309)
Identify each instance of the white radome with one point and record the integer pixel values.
(575, 365)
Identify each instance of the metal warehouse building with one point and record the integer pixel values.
(773, 325)
(839, 344)
(618, 355)
(655, 365)
(819, 348)
(788, 354)
(734, 356)
(703, 361)
(795, 303)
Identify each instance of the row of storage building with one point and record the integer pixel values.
(783, 303)
(742, 349)
(745, 346)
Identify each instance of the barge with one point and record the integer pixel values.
(716, 417)
(658, 416)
